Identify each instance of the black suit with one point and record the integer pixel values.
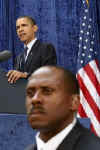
(40, 54)
(79, 138)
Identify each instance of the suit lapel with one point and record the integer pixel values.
(20, 62)
(32, 52)
(70, 140)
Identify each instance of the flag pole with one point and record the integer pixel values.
(87, 2)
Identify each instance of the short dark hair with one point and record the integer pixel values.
(67, 77)
(71, 79)
(32, 21)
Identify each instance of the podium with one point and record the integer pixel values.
(12, 96)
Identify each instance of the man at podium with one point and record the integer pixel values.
(35, 55)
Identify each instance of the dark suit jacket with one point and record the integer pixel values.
(41, 54)
(79, 138)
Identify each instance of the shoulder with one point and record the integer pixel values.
(87, 140)
(45, 44)
(49, 46)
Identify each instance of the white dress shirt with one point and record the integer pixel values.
(29, 46)
(55, 141)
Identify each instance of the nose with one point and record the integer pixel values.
(20, 29)
(37, 97)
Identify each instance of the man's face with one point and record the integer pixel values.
(47, 102)
(25, 30)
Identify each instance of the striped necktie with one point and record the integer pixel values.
(25, 53)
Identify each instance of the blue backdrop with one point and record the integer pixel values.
(58, 22)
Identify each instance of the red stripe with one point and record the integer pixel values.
(83, 114)
(88, 97)
(98, 65)
(93, 130)
(92, 77)
(81, 111)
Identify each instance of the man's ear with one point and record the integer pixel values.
(75, 102)
(35, 27)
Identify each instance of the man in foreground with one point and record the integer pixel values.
(52, 100)
(35, 55)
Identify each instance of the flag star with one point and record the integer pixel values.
(86, 10)
(79, 45)
(89, 56)
(80, 38)
(89, 26)
(81, 61)
(95, 52)
(87, 33)
(83, 24)
(84, 47)
(84, 17)
(83, 54)
(90, 19)
(92, 42)
(91, 49)
(81, 31)
(83, 2)
(86, 40)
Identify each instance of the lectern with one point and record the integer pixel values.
(12, 96)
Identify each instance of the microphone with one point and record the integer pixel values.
(5, 55)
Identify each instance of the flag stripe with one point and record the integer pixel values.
(88, 98)
(98, 66)
(91, 74)
(91, 88)
(90, 114)
(92, 128)
(81, 112)
(95, 64)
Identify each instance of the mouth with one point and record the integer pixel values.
(35, 115)
(22, 35)
(36, 111)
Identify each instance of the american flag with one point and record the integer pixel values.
(88, 73)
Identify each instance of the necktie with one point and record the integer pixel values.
(25, 52)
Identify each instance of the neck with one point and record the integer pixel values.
(27, 42)
(47, 134)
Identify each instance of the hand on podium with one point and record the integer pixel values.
(14, 75)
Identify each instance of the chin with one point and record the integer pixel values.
(37, 125)
(23, 40)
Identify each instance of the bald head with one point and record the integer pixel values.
(64, 76)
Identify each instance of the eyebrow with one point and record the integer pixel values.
(24, 24)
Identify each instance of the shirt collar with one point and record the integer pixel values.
(29, 45)
(55, 141)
